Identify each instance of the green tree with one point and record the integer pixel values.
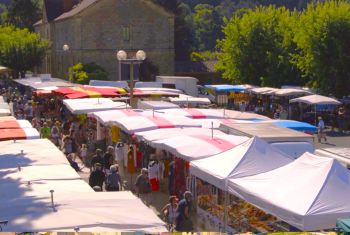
(20, 49)
(83, 73)
(323, 39)
(22, 13)
(257, 48)
(207, 25)
(184, 38)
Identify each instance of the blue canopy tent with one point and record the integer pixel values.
(295, 125)
(226, 88)
(343, 225)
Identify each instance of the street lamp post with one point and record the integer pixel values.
(66, 49)
(122, 57)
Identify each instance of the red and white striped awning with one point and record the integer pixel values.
(19, 134)
(109, 116)
(15, 124)
(144, 123)
(193, 147)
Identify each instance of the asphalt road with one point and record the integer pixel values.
(334, 139)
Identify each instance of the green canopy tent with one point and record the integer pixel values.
(343, 225)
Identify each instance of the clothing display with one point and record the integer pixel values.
(131, 160)
(179, 177)
(115, 134)
(153, 175)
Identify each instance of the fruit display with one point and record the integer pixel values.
(242, 216)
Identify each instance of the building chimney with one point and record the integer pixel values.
(67, 5)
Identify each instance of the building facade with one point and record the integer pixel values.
(95, 30)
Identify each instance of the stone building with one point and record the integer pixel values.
(95, 30)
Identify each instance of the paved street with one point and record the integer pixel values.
(334, 139)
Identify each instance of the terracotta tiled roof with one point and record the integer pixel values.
(77, 9)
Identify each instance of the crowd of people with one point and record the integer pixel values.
(76, 138)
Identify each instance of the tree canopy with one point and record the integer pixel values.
(20, 49)
(83, 73)
(22, 13)
(257, 46)
(323, 39)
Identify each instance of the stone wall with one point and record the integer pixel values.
(98, 32)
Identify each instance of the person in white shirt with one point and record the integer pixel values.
(321, 127)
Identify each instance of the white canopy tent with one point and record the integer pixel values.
(11, 191)
(160, 134)
(291, 91)
(233, 114)
(108, 116)
(88, 105)
(37, 173)
(87, 212)
(7, 118)
(310, 193)
(315, 99)
(189, 100)
(264, 90)
(193, 147)
(142, 123)
(155, 104)
(5, 112)
(33, 153)
(249, 158)
(194, 113)
(44, 81)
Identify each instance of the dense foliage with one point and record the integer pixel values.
(323, 39)
(83, 73)
(274, 46)
(22, 13)
(20, 49)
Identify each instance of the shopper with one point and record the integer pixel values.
(97, 177)
(113, 181)
(183, 221)
(321, 132)
(169, 211)
(142, 185)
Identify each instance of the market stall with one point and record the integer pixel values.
(159, 134)
(29, 153)
(190, 101)
(294, 125)
(80, 92)
(88, 105)
(249, 158)
(194, 113)
(224, 93)
(310, 193)
(155, 105)
(132, 125)
(15, 124)
(90, 211)
(191, 147)
(313, 101)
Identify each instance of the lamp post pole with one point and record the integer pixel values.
(122, 58)
(66, 49)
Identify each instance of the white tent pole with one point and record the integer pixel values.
(212, 130)
(225, 206)
(315, 115)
